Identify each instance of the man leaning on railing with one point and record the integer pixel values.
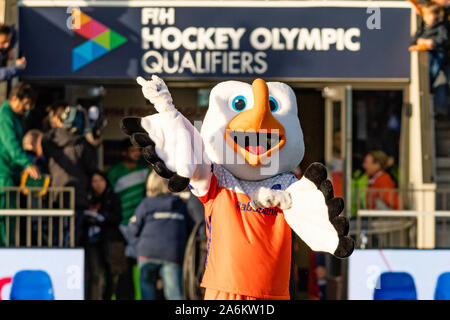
(13, 158)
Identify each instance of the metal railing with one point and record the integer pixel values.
(38, 208)
(399, 218)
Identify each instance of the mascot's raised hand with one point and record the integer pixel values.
(170, 143)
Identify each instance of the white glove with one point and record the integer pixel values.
(171, 144)
(308, 217)
(156, 92)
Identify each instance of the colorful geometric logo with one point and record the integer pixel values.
(101, 40)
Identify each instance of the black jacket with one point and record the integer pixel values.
(437, 32)
(71, 161)
(109, 207)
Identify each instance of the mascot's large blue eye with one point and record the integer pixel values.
(273, 104)
(239, 103)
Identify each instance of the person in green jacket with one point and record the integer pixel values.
(128, 179)
(13, 158)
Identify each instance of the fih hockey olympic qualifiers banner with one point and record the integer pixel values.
(215, 42)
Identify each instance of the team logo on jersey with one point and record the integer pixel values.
(248, 208)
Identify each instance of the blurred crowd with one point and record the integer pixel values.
(134, 231)
(126, 219)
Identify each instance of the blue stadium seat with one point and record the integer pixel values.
(32, 285)
(443, 287)
(395, 286)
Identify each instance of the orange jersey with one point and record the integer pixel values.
(249, 251)
(391, 199)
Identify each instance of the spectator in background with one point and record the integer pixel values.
(7, 42)
(128, 180)
(71, 161)
(102, 239)
(445, 5)
(32, 144)
(438, 52)
(13, 158)
(441, 90)
(76, 119)
(375, 163)
(432, 36)
(162, 225)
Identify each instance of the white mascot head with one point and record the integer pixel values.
(253, 130)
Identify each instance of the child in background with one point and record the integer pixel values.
(432, 37)
(445, 5)
(442, 107)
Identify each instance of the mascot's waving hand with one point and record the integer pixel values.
(238, 166)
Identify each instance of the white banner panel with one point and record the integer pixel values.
(424, 266)
(64, 267)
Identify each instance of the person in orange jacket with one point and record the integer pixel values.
(375, 163)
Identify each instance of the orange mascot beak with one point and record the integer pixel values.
(255, 133)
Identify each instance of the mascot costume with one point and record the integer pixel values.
(239, 167)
